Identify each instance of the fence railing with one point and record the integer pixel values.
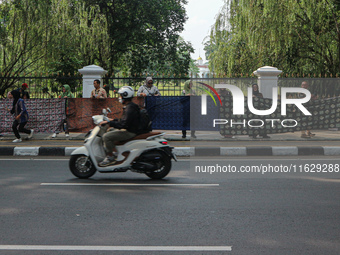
(51, 87)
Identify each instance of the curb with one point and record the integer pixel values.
(191, 151)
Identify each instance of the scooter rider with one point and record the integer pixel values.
(125, 128)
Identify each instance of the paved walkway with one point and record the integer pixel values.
(326, 142)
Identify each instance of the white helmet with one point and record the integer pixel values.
(126, 92)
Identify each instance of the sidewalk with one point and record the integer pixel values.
(207, 143)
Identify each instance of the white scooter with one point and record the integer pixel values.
(147, 153)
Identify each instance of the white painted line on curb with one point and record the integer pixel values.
(184, 151)
(131, 184)
(285, 151)
(113, 248)
(233, 151)
(331, 150)
(26, 151)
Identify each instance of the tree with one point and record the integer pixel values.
(77, 39)
(137, 29)
(296, 36)
(53, 36)
(208, 48)
(61, 36)
(194, 70)
(22, 42)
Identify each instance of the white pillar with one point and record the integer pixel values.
(267, 79)
(91, 73)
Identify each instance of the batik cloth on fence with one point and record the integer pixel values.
(81, 110)
(44, 114)
(177, 113)
(325, 114)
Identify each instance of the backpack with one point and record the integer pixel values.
(144, 122)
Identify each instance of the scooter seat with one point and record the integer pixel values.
(138, 137)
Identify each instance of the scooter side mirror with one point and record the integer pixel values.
(105, 112)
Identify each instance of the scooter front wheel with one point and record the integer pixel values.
(81, 166)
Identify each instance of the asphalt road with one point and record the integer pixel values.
(186, 143)
(45, 210)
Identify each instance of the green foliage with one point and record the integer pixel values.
(170, 63)
(22, 43)
(61, 36)
(144, 34)
(295, 36)
(194, 70)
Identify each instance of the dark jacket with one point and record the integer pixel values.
(19, 107)
(129, 120)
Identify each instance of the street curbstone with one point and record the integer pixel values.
(7, 151)
(285, 151)
(191, 151)
(207, 151)
(26, 151)
(52, 151)
(233, 151)
(259, 151)
(184, 151)
(304, 151)
(331, 151)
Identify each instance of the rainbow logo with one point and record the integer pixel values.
(209, 93)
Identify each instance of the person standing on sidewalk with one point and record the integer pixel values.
(21, 116)
(148, 89)
(66, 94)
(306, 133)
(98, 92)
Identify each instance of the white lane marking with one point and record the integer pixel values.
(34, 159)
(193, 160)
(113, 248)
(131, 184)
(272, 158)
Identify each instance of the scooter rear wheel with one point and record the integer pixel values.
(81, 166)
(163, 164)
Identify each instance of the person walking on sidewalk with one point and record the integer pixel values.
(21, 116)
(66, 94)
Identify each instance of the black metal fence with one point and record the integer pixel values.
(51, 87)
